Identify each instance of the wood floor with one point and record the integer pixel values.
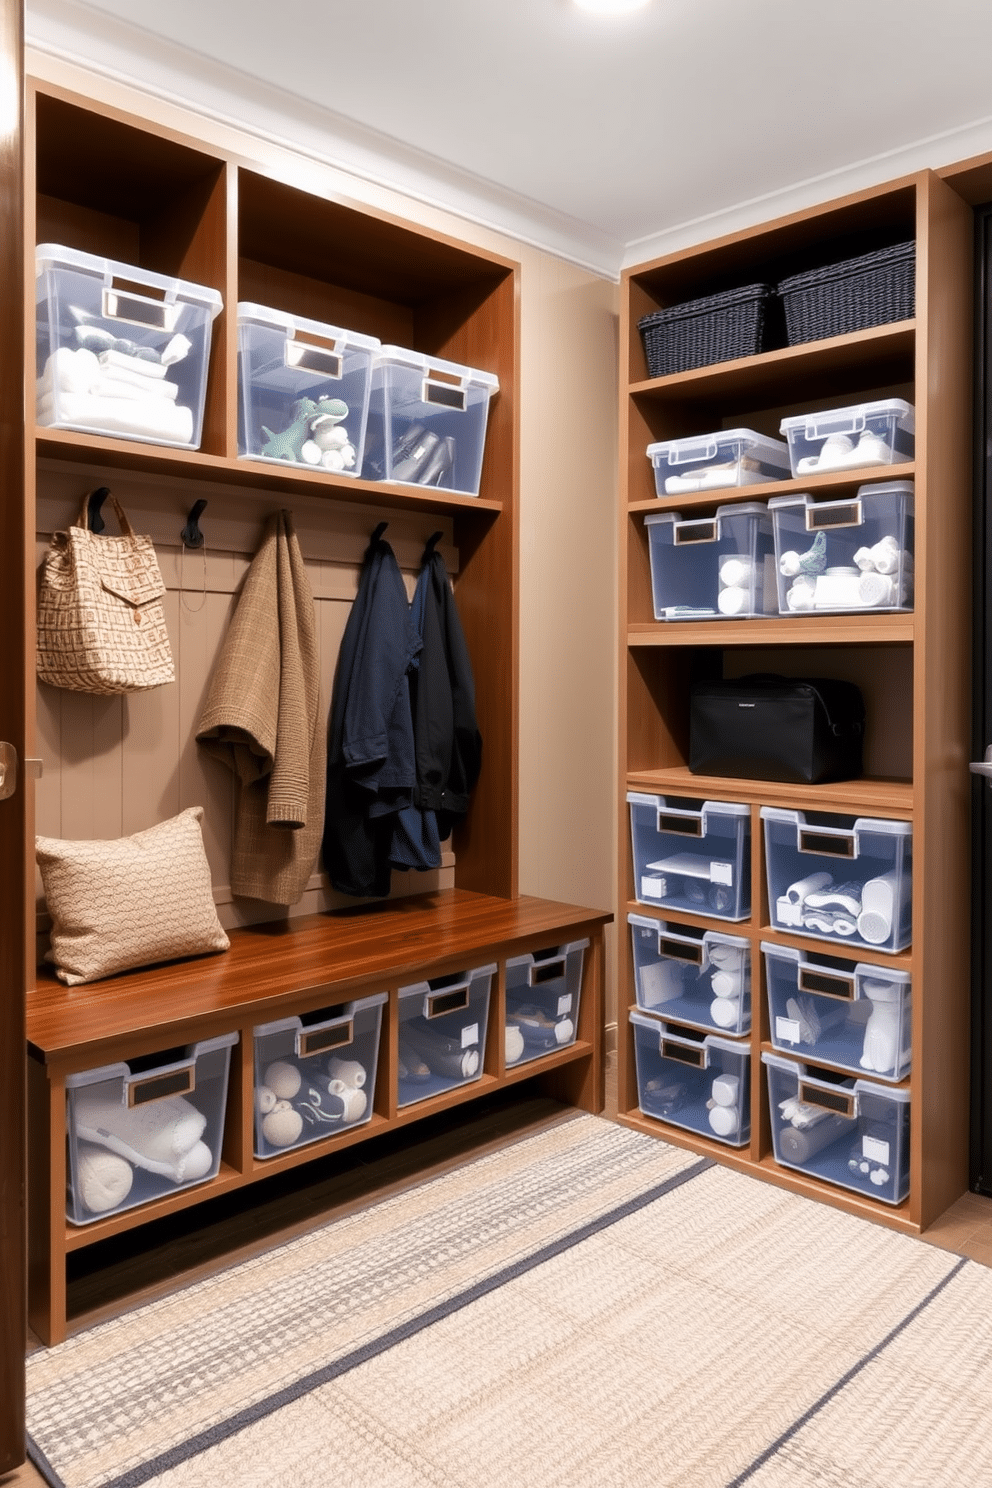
(157, 1259)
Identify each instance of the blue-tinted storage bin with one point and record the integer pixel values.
(692, 855)
(843, 879)
(853, 1015)
(695, 1080)
(706, 462)
(695, 976)
(543, 991)
(143, 1128)
(427, 421)
(442, 1033)
(847, 1131)
(303, 390)
(881, 432)
(713, 568)
(121, 351)
(855, 554)
(315, 1074)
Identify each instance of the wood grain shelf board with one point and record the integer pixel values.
(863, 797)
(264, 1167)
(776, 630)
(760, 375)
(834, 486)
(120, 454)
(580, 1049)
(311, 959)
(77, 1237)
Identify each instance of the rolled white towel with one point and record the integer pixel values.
(152, 418)
(138, 366)
(158, 1136)
(103, 1179)
(732, 601)
(349, 1071)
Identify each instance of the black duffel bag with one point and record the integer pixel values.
(767, 727)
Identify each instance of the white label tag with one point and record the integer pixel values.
(875, 1150)
(722, 873)
(787, 1031)
(564, 1004)
(652, 888)
(470, 1035)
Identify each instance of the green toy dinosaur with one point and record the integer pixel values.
(289, 444)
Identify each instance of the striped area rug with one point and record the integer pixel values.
(586, 1307)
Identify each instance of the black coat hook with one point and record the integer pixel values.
(93, 505)
(191, 534)
(432, 543)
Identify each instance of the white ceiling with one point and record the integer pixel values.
(604, 138)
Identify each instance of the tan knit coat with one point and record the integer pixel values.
(264, 719)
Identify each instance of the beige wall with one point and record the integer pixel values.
(567, 570)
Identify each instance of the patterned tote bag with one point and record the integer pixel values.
(101, 626)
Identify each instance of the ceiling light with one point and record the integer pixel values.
(611, 7)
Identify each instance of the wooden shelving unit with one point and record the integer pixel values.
(912, 668)
(107, 183)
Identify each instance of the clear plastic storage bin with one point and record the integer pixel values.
(693, 855)
(543, 990)
(696, 976)
(315, 1074)
(691, 1079)
(843, 879)
(144, 1128)
(856, 1016)
(442, 1033)
(120, 351)
(864, 434)
(845, 555)
(713, 568)
(427, 421)
(710, 462)
(303, 390)
(847, 1131)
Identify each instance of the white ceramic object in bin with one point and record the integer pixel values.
(303, 390)
(697, 1081)
(691, 855)
(845, 880)
(543, 991)
(442, 1033)
(851, 438)
(709, 462)
(855, 554)
(847, 1131)
(856, 1016)
(427, 421)
(315, 1074)
(713, 568)
(144, 1128)
(120, 351)
(695, 976)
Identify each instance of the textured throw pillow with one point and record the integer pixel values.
(130, 901)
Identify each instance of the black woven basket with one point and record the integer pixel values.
(867, 291)
(716, 328)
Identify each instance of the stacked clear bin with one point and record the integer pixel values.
(695, 976)
(442, 1033)
(710, 568)
(850, 438)
(847, 1131)
(315, 1074)
(843, 879)
(145, 1128)
(543, 990)
(120, 351)
(694, 1080)
(303, 390)
(855, 1016)
(707, 462)
(691, 855)
(427, 421)
(845, 555)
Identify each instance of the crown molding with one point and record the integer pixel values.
(79, 34)
(935, 152)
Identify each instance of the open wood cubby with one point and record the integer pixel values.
(912, 667)
(111, 184)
